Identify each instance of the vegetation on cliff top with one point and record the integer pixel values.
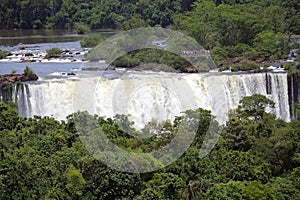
(3, 53)
(28, 75)
(54, 53)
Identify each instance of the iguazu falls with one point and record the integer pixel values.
(150, 100)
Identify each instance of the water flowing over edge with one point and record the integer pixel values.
(150, 96)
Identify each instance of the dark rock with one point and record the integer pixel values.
(27, 61)
(28, 54)
(22, 46)
(13, 78)
(190, 70)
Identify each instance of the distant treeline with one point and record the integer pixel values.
(27, 14)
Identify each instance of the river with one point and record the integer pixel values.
(40, 41)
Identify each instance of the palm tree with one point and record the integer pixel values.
(191, 191)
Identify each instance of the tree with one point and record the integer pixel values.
(256, 190)
(76, 182)
(91, 40)
(270, 45)
(224, 191)
(28, 71)
(135, 21)
(165, 185)
(284, 188)
(8, 117)
(192, 190)
(254, 106)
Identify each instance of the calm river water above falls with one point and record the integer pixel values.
(40, 41)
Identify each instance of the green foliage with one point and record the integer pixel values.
(95, 14)
(164, 186)
(256, 190)
(76, 183)
(219, 54)
(53, 53)
(3, 53)
(28, 71)
(136, 21)
(284, 188)
(81, 28)
(8, 117)
(256, 157)
(224, 191)
(245, 65)
(162, 60)
(270, 45)
(7, 92)
(91, 40)
(255, 105)
(249, 30)
(298, 58)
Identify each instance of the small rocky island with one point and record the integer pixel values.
(28, 75)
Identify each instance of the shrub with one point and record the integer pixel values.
(3, 53)
(238, 50)
(156, 59)
(91, 40)
(54, 53)
(288, 65)
(136, 21)
(245, 65)
(81, 28)
(28, 71)
(219, 54)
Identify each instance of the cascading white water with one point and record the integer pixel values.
(147, 96)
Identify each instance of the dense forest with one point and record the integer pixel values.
(94, 13)
(277, 15)
(257, 157)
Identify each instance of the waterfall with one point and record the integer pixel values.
(147, 96)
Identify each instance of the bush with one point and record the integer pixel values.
(3, 53)
(288, 65)
(136, 21)
(91, 40)
(28, 71)
(238, 50)
(156, 59)
(245, 65)
(81, 28)
(219, 54)
(54, 53)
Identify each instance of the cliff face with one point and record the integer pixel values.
(13, 78)
(294, 95)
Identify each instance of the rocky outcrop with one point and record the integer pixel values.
(190, 70)
(13, 78)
